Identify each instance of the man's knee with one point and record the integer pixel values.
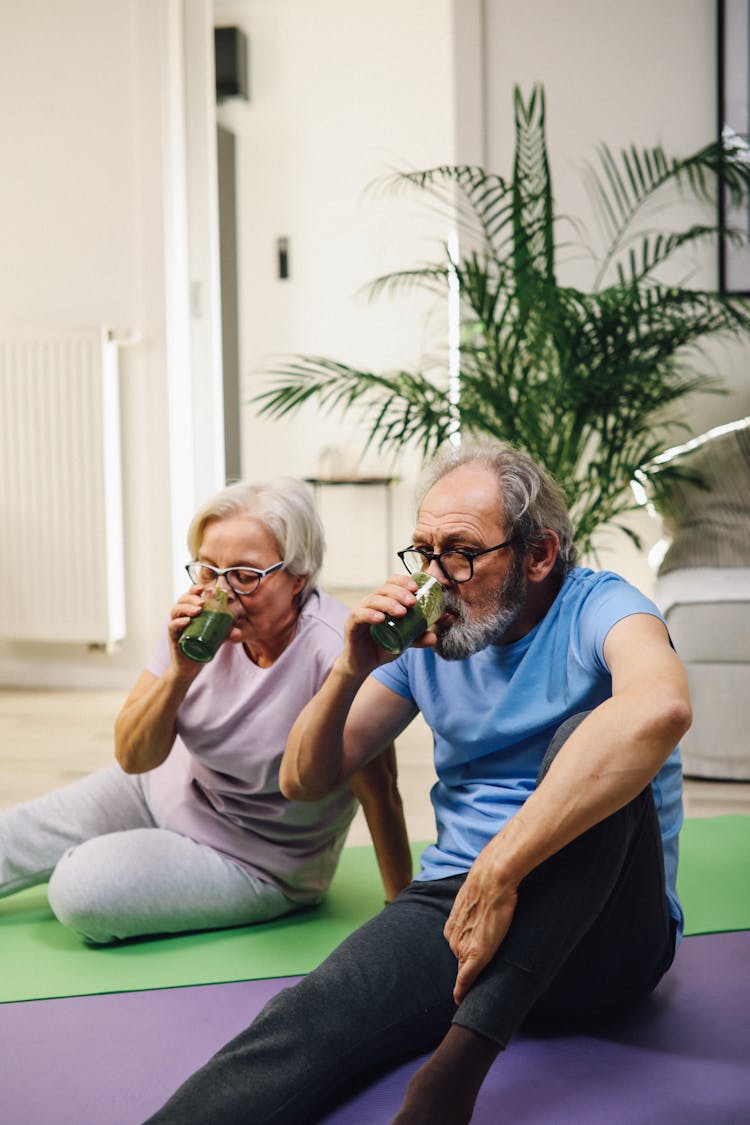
(559, 738)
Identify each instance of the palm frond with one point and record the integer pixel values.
(654, 250)
(432, 277)
(590, 382)
(408, 407)
(622, 187)
(532, 191)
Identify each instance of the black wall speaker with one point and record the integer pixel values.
(230, 53)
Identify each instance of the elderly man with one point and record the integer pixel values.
(556, 703)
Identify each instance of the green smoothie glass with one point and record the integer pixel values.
(397, 633)
(201, 639)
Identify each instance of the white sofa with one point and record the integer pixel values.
(702, 492)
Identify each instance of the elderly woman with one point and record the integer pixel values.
(189, 829)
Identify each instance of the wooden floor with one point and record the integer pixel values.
(49, 738)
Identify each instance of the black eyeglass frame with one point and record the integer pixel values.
(464, 552)
(226, 573)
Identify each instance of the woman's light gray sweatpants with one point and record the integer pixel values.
(115, 874)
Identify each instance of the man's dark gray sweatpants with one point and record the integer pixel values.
(590, 936)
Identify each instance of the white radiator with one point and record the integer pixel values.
(61, 545)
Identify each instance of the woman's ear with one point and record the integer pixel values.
(298, 586)
(542, 556)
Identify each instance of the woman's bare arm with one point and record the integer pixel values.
(376, 788)
(145, 727)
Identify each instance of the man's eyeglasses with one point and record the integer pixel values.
(240, 579)
(457, 564)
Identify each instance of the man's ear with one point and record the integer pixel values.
(542, 556)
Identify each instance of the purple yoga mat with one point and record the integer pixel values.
(113, 1059)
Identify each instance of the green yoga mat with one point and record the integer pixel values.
(714, 874)
(40, 959)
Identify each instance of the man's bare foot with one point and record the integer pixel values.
(424, 1106)
(445, 1088)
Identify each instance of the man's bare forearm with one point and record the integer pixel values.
(333, 736)
(312, 766)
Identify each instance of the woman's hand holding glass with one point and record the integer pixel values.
(184, 611)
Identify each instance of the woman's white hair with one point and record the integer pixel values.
(286, 508)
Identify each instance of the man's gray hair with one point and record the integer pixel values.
(532, 500)
(286, 508)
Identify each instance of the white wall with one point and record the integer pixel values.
(107, 207)
(93, 229)
(635, 71)
(341, 92)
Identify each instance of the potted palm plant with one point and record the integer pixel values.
(588, 381)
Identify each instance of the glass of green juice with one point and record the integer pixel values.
(201, 639)
(397, 633)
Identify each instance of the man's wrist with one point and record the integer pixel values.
(508, 856)
(346, 678)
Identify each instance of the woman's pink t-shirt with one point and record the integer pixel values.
(220, 784)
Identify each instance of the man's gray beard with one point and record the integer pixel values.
(464, 637)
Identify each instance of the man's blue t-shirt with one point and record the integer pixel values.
(494, 714)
